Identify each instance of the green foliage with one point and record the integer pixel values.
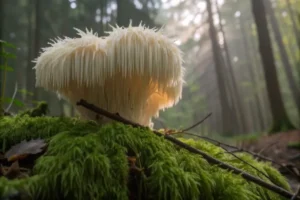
(294, 145)
(5, 56)
(25, 92)
(40, 110)
(247, 137)
(4, 68)
(11, 188)
(88, 169)
(265, 169)
(89, 161)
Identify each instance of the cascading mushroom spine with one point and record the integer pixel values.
(134, 71)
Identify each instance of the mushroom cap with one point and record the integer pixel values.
(134, 71)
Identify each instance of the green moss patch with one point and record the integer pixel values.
(89, 161)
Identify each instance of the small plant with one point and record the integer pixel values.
(4, 68)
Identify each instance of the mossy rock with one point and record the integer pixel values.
(85, 160)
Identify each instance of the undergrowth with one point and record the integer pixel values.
(89, 161)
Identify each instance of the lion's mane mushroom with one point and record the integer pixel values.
(134, 71)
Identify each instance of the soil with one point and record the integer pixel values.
(278, 148)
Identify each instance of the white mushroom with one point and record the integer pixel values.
(134, 71)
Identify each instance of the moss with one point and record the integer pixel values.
(261, 169)
(41, 110)
(12, 188)
(89, 161)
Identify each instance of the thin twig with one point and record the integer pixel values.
(296, 157)
(236, 150)
(295, 196)
(267, 147)
(264, 174)
(230, 152)
(208, 158)
(13, 98)
(198, 123)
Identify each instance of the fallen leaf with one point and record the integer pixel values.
(13, 171)
(24, 149)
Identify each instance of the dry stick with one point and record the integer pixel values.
(249, 165)
(231, 153)
(211, 160)
(296, 195)
(236, 150)
(198, 123)
(267, 147)
(296, 157)
(227, 151)
(263, 158)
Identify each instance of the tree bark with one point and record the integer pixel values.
(126, 11)
(37, 28)
(260, 118)
(284, 56)
(279, 115)
(33, 48)
(29, 51)
(236, 94)
(258, 70)
(294, 23)
(102, 10)
(1, 38)
(219, 68)
(36, 44)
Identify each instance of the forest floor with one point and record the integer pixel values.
(284, 149)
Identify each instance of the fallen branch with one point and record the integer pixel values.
(236, 150)
(225, 149)
(211, 160)
(294, 158)
(197, 124)
(267, 147)
(296, 195)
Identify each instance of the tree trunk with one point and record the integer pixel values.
(28, 77)
(102, 10)
(1, 21)
(252, 76)
(294, 23)
(36, 44)
(219, 68)
(236, 94)
(258, 70)
(279, 115)
(34, 41)
(121, 13)
(284, 56)
(1, 38)
(126, 10)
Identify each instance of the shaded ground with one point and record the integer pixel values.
(284, 149)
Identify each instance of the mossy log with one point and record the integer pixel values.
(85, 160)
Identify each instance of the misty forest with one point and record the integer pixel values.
(150, 99)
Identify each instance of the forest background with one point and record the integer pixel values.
(249, 85)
